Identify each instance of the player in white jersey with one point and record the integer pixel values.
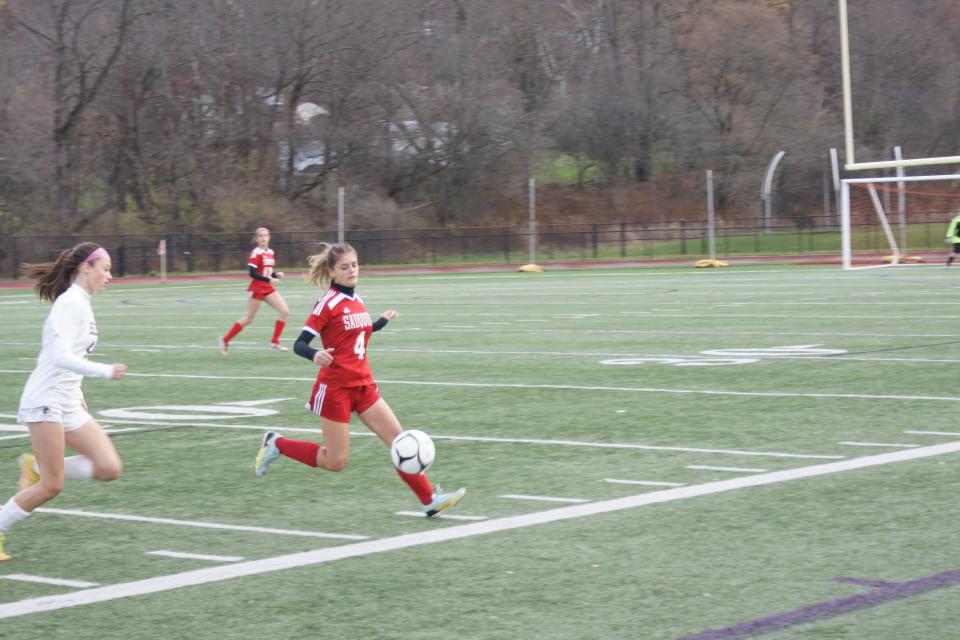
(52, 405)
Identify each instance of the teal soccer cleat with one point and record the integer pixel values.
(267, 454)
(443, 501)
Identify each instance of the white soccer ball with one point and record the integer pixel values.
(412, 451)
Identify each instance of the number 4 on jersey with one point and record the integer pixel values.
(359, 347)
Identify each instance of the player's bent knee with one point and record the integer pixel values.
(50, 487)
(108, 472)
(335, 464)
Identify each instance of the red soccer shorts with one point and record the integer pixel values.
(337, 403)
(260, 295)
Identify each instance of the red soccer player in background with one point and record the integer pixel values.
(260, 265)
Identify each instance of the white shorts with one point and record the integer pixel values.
(72, 418)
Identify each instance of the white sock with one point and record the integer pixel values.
(78, 468)
(10, 514)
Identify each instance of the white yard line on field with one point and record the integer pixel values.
(330, 554)
(525, 441)
(878, 444)
(565, 387)
(706, 467)
(194, 556)
(202, 525)
(442, 516)
(24, 577)
(644, 483)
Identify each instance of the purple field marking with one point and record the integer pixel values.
(831, 608)
(865, 583)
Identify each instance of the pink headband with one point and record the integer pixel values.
(100, 252)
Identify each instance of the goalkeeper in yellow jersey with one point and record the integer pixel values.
(953, 237)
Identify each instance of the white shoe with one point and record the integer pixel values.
(223, 346)
(278, 346)
(443, 501)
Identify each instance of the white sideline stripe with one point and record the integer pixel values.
(566, 387)
(329, 554)
(590, 354)
(203, 525)
(707, 467)
(443, 516)
(195, 556)
(935, 433)
(21, 435)
(562, 443)
(644, 483)
(13, 427)
(24, 577)
(879, 444)
(646, 447)
(517, 496)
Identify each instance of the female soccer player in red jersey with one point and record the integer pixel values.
(52, 404)
(344, 384)
(261, 265)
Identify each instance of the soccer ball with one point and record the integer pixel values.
(412, 451)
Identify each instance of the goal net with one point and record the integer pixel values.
(881, 217)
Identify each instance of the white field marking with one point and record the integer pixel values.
(24, 577)
(145, 350)
(330, 554)
(203, 525)
(188, 412)
(714, 331)
(646, 447)
(807, 316)
(707, 467)
(13, 427)
(444, 516)
(22, 435)
(563, 387)
(457, 326)
(561, 443)
(879, 444)
(935, 433)
(195, 556)
(591, 354)
(644, 483)
(516, 496)
(254, 403)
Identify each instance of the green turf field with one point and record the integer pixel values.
(648, 453)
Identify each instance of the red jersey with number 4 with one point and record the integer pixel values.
(263, 260)
(342, 322)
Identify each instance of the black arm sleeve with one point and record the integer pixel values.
(257, 276)
(302, 346)
(380, 323)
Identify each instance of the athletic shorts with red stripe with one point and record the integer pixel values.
(337, 403)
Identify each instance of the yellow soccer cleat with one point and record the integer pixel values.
(3, 554)
(28, 475)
